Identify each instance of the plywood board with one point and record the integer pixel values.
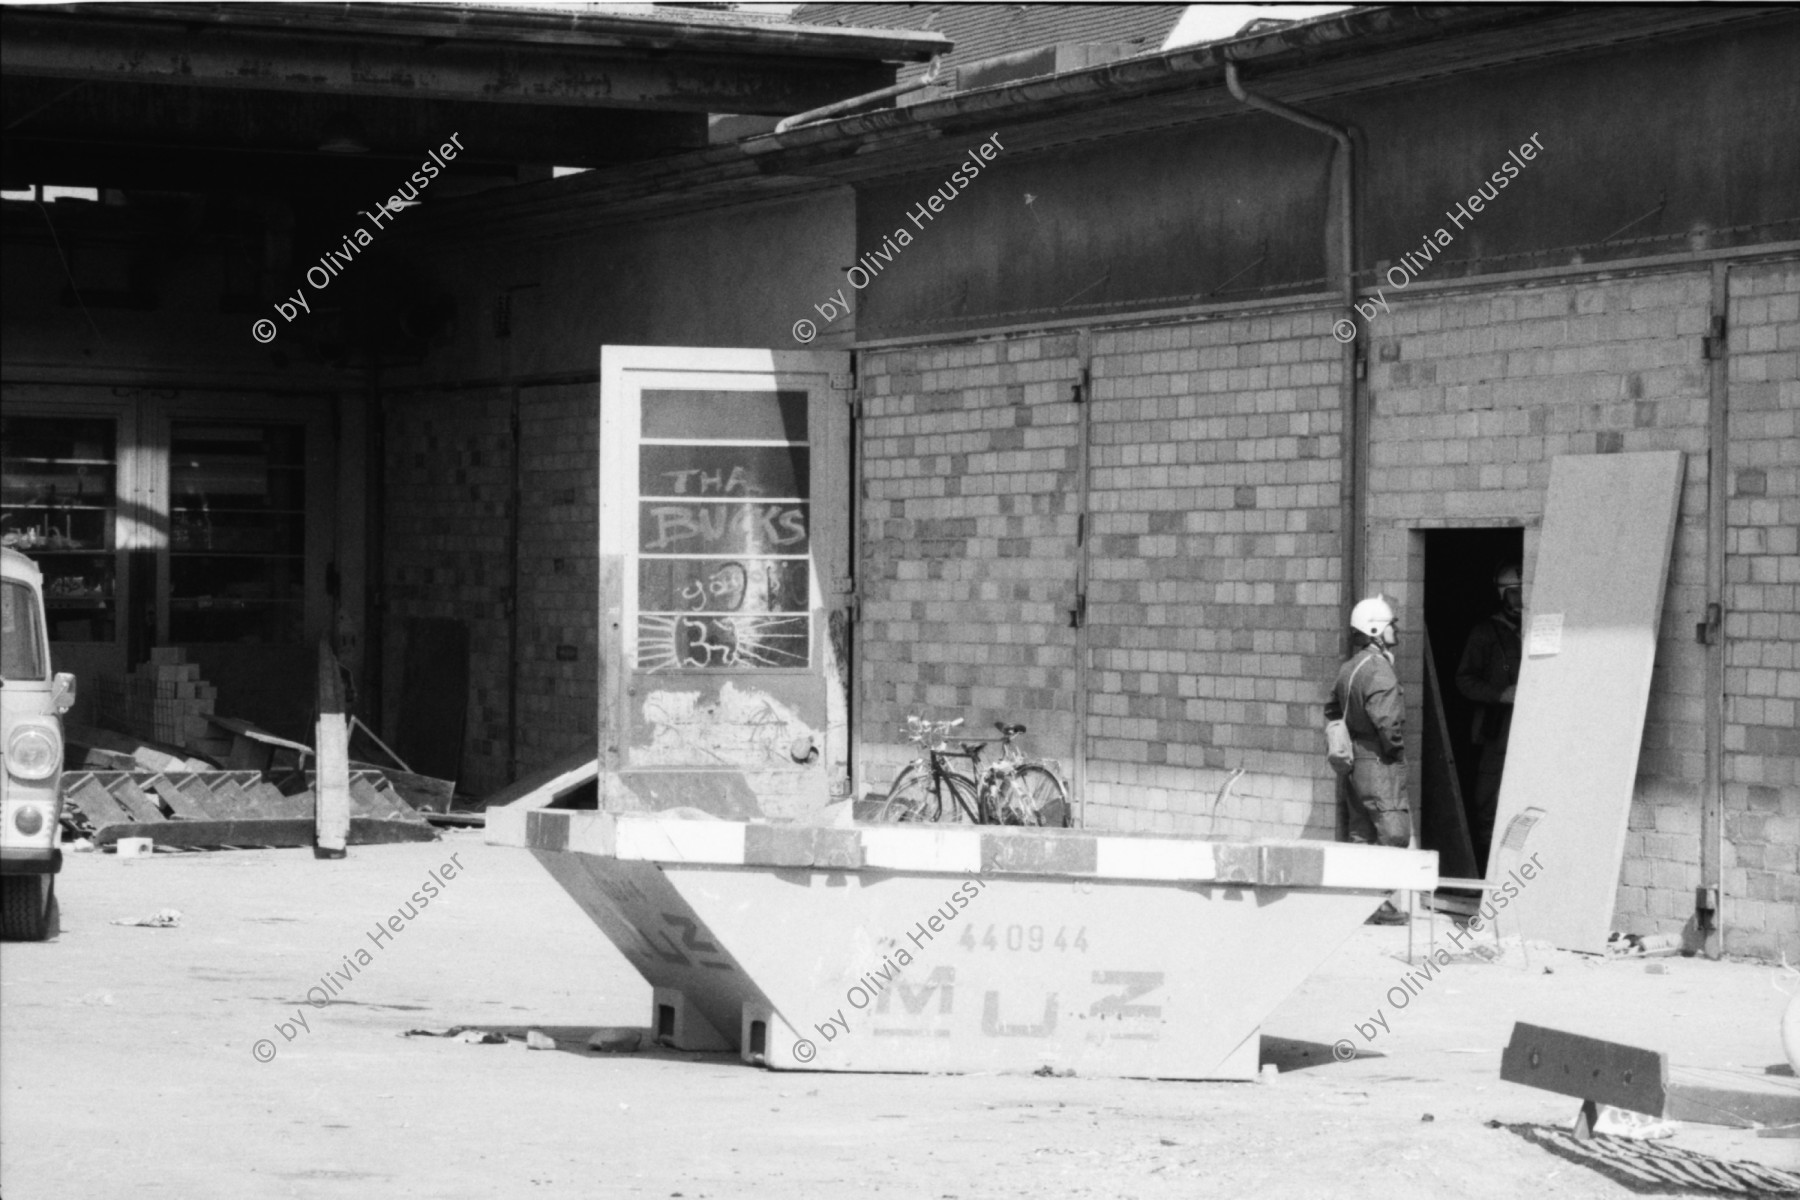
(1591, 619)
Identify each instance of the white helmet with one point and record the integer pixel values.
(1373, 618)
(1507, 577)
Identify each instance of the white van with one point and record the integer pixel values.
(32, 702)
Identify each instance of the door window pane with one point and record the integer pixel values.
(724, 539)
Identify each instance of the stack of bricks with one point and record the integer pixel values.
(167, 701)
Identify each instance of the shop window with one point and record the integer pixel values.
(237, 532)
(59, 485)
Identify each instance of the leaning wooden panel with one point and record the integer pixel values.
(1590, 643)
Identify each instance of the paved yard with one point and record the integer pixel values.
(129, 1063)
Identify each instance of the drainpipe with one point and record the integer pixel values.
(1354, 461)
(855, 102)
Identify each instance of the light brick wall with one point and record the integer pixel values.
(449, 462)
(967, 542)
(1211, 605)
(1762, 616)
(1213, 602)
(1472, 397)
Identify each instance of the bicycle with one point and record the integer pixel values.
(1022, 790)
(1013, 790)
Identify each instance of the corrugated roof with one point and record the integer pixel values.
(982, 31)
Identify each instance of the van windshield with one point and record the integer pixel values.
(21, 633)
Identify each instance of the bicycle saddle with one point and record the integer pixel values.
(1009, 730)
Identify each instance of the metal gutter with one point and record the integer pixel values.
(855, 102)
(1173, 69)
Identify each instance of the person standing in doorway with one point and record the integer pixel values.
(1367, 698)
(1488, 674)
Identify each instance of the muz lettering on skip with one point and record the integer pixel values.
(991, 1026)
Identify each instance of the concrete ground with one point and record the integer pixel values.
(129, 1063)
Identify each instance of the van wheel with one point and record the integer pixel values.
(28, 908)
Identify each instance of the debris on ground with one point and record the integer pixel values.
(1622, 1122)
(1656, 1166)
(461, 1033)
(538, 1040)
(616, 1041)
(160, 763)
(167, 918)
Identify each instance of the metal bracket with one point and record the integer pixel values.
(1712, 346)
(1707, 632)
(1078, 614)
(1079, 390)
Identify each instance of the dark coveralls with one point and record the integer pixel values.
(1374, 793)
(1490, 665)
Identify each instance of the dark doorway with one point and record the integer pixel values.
(1460, 565)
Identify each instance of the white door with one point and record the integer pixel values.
(724, 569)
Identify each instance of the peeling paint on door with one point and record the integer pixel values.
(741, 727)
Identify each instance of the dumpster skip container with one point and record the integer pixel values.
(961, 948)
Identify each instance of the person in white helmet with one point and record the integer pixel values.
(1367, 698)
(1488, 674)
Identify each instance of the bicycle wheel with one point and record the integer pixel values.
(911, 798)
(1038, 797)
(960, 803)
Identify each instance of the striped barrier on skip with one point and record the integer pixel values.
(961, 948)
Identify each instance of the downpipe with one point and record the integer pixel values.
(1350, 503)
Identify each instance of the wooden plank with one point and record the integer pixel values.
(1444, 822)
(99, 806)
(542, 787)
(356, 723)
(278, 804)
(373, 800)
(332, 806)
(169, 790)
(1590, 629)
(1717, 1098)
(419, 791)
(133, 799)
(294, 831)
(1586, 1068)
(247, 751)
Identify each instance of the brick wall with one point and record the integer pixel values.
(968, 542)
(559, 544)
(1762, 616)
(1471, 399)
(1214, 603)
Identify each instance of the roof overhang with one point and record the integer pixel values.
(1360, 50)
(123, 88)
